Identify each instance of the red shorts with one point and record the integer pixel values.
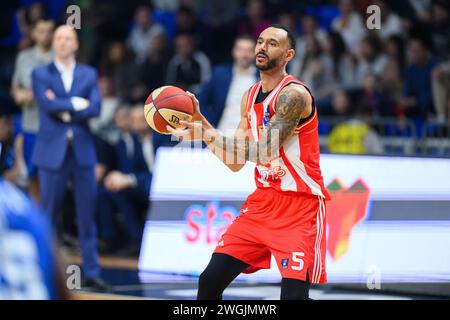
(287, 225)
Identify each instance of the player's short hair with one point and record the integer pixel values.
(290, 35)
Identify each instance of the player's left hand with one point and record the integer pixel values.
(194, 129)
(197, 115)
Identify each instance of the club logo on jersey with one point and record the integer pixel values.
(271, 173)
(284, 263)
(348, 207)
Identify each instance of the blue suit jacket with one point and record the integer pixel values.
(134, 164)
(51, 142)
(213, 94)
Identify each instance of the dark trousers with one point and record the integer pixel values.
(130, 205)
(53, 186)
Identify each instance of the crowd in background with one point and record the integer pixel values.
(400, 71)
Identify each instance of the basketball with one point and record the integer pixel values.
(167, 106)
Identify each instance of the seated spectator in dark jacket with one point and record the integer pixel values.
(341, 105)
(221, 96)
(417, 99)
(440, 29)
(127, 187)
(152, 72)
(372, 100)
(254, 21)
(188, 68)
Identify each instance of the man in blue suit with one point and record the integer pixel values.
(221, 96)
(67, 96)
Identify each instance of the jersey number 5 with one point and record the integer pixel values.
(296, 257)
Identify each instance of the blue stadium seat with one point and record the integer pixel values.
(324, 15)
(167, 19)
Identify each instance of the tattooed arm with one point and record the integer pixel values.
(234, 164)
(293, 104)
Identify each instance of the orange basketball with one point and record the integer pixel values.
(167, 106)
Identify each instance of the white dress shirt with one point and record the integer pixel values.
(66, 73)
(78, 103)
(148, 151)
(231, 115)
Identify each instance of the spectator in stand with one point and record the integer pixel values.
(255, 20)
(372, 100)
(391, 23)
(344, 64)
(355, 136)
(392, 76)
(188, 68)
(153, 71)
(186, 22)
(372, 58)
(422, 10)
(128, 186)
(221, 95)
(441, 91)
(28, 59)
(102, 126)
(417, 101)
(309, 29)
(219, 17)
(143, 31)
(350, 25)
(120, 66)
(288, 19)
(108, 233)
(316, 70)
(28, 17)
(341, 105)
(440, 30)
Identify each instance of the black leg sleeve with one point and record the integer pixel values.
(220, 272)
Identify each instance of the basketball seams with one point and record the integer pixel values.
(163, 108)
(157, 111)
(188, 114)
(166, 98)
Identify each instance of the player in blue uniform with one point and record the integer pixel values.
(28, 268)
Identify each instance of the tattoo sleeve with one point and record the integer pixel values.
(291, 105)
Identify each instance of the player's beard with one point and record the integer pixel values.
(270, 64)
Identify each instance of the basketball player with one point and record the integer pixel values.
(29, 265)
(285, 216)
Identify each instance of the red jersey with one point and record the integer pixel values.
(296, 166)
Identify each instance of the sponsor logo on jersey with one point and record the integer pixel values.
(272, 173)
(284, 263)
